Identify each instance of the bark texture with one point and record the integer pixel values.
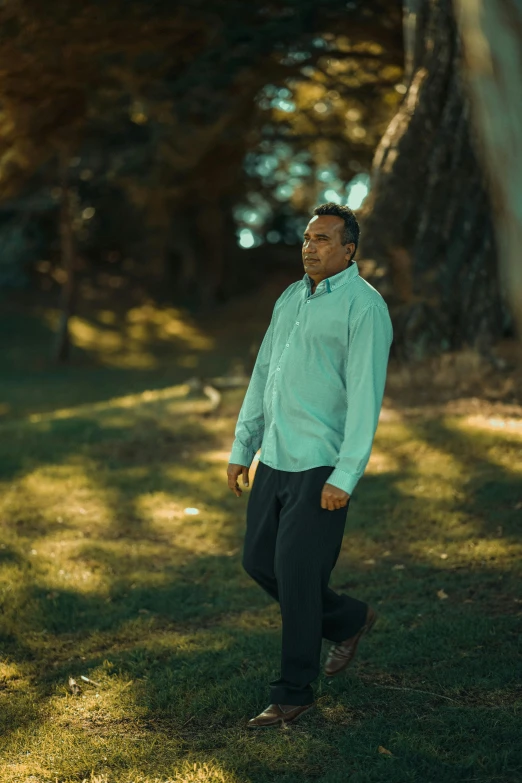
(427, 229)
(491, 34)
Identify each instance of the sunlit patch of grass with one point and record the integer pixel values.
(201, 532)
(188, 772)
(131, 341)
(381, 462)
(491, 424)
(137, 404)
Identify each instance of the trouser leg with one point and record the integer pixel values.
(308, 544)
(262, 523)
(291, 546)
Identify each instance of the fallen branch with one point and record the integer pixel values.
(214, 396)
(86, 679)
(210, 388)
(221, 382)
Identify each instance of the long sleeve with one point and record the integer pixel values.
(251, 421)
(369, 345)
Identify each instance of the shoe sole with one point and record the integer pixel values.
(364, 630)
(278, 722)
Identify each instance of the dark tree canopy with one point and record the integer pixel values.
(164, 102)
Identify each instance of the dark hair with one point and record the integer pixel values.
(351, 226)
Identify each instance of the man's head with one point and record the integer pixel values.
(330, 241)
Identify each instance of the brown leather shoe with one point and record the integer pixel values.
(277, 714)
(342, 653)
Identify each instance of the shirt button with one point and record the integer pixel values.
(287, 345)
(278, 368)
(297, 323)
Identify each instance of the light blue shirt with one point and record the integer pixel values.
(317, 386)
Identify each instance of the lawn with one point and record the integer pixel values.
(106, 573)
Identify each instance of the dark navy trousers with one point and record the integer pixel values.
(291, 546)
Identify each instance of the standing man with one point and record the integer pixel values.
(312, 405)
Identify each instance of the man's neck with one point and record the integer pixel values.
(313, 284)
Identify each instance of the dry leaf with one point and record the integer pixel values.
(441, 594)
(398, 567)
(444, 556)
(384, 750)
(370, 561)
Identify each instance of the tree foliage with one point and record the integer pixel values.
(163, 102)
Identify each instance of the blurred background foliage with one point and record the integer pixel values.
(175, 152)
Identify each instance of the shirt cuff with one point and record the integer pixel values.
(342, 480)
(240, 455)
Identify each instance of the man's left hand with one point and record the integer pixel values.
(333, 498)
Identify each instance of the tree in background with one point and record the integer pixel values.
(58, 70)
(492, 40)
(428, 222)
(80, 80)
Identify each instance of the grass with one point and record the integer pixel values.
(103, 573)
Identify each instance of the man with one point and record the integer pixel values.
(312, 405)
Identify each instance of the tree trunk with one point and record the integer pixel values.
(63, 342)
(491, 34)
(426, 224)
(210, 222)
(184, 233)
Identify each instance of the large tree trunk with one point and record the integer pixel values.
(68, 258)
(492, 42)
(426, 223)
(210, 222)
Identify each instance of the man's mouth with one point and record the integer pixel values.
(311, 260)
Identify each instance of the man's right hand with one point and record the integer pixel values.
(233, 471)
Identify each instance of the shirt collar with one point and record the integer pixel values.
(334, 281)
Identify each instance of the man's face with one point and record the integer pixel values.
(323, 253)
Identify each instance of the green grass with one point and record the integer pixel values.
(103, 574)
